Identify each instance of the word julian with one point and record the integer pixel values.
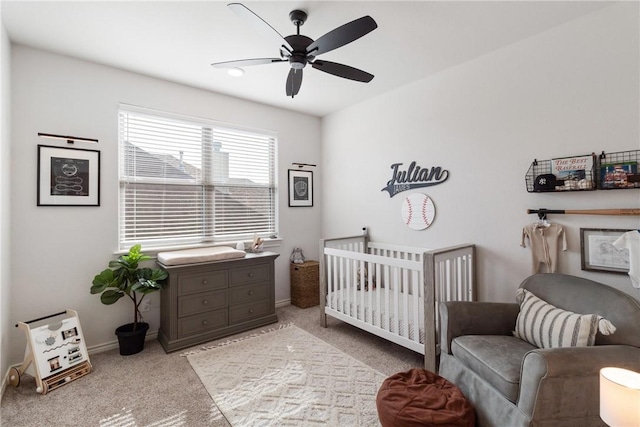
(414, 177)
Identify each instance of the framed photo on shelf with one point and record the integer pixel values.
(598, 252)
(68, 176)
(300, 188)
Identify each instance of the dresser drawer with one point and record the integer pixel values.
(201, 302)
(188, 284)
(248, 293)
(202, 322)
(241, 313)
(243, 276)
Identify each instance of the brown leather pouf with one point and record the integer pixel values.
(421, 398)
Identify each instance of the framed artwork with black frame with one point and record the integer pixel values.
(598, 252)
(68, 176)
(300, 188)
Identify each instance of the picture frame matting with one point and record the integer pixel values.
(68, 176)
(300, 188)
(597, 252)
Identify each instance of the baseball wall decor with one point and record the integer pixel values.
(418, 211)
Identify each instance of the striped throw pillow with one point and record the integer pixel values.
(546, 326)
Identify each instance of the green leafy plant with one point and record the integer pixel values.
(125, 278)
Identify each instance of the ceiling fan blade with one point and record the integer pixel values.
(294, 81)
(246, 62)
(342, 35)
(260, 25)
(342, 70)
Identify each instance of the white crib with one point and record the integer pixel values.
(392, 291)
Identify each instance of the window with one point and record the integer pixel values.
(189, 181)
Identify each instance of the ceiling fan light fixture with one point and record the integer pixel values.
(236, 72)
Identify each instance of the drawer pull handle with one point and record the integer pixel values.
(250, 274)
(204, 282)
(205, 302)
(251, 311)
(250, 292)
(204, 322)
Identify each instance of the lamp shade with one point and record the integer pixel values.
(620, 397)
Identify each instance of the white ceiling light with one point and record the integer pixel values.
(236, 72)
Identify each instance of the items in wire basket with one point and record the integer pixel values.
(606, 171)
(545, 182)
(619, 175)
(574, 173)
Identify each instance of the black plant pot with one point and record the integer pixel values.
(131, 342)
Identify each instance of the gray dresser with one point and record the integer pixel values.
(206, 301)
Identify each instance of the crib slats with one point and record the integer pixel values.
(378, 293)
(386, 299)
(392, 291)
(404, 315)
(415, 290)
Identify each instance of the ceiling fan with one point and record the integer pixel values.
(300, 50)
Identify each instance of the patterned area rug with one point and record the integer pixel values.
(288, 377)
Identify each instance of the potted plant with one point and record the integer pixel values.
(125, 278)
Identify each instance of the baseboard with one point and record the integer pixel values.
(283, 303)
(5, 381)
(111, 345)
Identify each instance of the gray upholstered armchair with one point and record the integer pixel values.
(511, 382)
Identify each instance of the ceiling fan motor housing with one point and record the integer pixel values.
(298, 59)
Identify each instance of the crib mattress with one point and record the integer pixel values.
(383, 320)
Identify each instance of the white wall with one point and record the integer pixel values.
(569, 91)
(56, 251)
(5, 173)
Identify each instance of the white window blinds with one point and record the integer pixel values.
(189, 181)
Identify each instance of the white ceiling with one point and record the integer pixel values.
(178, 40)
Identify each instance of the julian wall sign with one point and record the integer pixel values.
(414, 177)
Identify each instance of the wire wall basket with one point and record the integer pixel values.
(606, 171)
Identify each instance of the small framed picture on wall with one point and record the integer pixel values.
(598, 252)
(300, 188)
(68, 176)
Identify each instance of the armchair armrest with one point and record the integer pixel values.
(459, 318)
(563, 382)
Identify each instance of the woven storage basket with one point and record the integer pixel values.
(305, 290)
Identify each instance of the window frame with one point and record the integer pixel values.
(207, 183)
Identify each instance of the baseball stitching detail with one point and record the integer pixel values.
(424, 211)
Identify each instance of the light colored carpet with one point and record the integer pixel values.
(155, 389)
(288, 377)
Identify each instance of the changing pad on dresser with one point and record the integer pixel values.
(192, 256)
